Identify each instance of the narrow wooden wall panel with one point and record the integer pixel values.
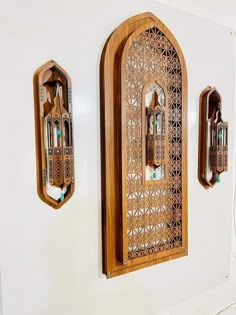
(213, 138)
(143, 73)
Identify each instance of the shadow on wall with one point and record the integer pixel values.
(0, 294)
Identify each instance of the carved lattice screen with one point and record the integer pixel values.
(144, 219)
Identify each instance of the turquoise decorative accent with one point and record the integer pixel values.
(218, 179)
(154, 175)
(62, 197)
(156, 123)
(220, 136)
(58, 132)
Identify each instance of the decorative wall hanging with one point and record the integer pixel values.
(53, 130)
(213, 139)
(144, 146)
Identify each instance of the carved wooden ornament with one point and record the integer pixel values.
(213, 139)
(144, 146)
(53, 130)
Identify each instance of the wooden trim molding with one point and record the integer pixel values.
(143, 72)
(53, 134)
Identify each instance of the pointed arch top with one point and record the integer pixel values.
(133, 24)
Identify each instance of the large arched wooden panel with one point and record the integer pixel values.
(144, 146)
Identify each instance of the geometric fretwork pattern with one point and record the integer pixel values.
(154, 212)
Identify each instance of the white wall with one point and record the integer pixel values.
(218, 11)
(51, 261)
(211, 302)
